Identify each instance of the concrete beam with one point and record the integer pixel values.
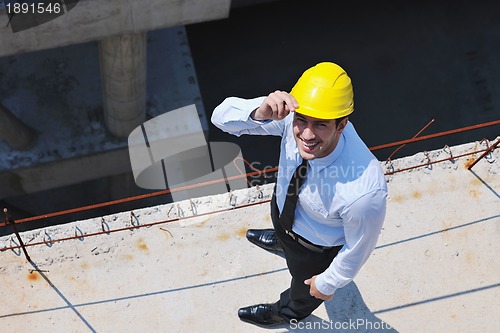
(64, 172)
(14, 132)
(95, 19)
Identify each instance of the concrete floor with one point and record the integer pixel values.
(435, 268)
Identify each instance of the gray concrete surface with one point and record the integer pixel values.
(435, 268)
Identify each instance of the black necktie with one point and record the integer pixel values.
(292, 195)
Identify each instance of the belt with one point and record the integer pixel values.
(307, 244)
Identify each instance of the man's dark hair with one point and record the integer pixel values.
(339, 120)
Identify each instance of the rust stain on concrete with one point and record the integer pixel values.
(242, 232)
(398, 198)
(223, 237)
(471, 259)
(468, 162)
(446, 227)
(416, 194)
(202, 223)
(475, 194)
(142, 245)
(33, 276)
(475, 182)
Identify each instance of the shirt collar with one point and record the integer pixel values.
(320, 163)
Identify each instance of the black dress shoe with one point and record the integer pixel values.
(261, 315)
(264, 238)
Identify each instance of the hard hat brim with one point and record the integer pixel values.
(324, 114)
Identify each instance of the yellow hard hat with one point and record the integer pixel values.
(324, 91)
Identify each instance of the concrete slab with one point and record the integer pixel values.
(435, 268)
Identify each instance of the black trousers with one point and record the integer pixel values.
(296, 302)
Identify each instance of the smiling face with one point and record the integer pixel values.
(316, 137)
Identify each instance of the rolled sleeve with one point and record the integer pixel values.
(363, 221)
(233, 116)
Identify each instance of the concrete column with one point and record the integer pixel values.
(14, 132)
(123, 78)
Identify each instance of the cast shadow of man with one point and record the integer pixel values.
(347, 312)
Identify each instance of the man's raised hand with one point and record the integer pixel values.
(276, 106)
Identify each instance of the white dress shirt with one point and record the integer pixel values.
(342, 200)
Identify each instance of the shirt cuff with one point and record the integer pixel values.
(256, 121)
(324, 287)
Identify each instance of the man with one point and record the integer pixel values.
(329, 232)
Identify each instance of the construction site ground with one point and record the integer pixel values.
(435, 268)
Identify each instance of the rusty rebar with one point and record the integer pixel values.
(9, 220)
(436, 135)
(429, 162)
(486, 152)
(138, 197)
(52, 241)
(416, 135)
(108, 231)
